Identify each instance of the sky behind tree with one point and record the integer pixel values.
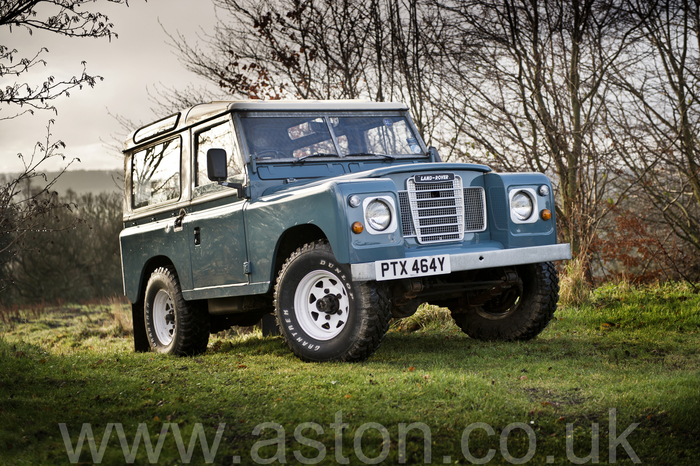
(138, 60)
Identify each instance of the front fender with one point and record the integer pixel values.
(323, 205)
(269, 217)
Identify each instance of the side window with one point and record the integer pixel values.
(155, 174)
(217, 137)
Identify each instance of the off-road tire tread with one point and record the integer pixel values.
(193, 324)
(374, 303)
(375, 300)
(538, 311)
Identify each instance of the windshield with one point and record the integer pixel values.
(271, 138)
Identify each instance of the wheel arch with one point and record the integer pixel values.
(137, 314)
(292, 239)
(146, 271)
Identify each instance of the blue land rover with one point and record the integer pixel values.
(334, 217)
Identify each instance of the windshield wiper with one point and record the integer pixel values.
(319, 154)
(367, 154)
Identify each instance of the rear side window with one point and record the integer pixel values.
(155, 174)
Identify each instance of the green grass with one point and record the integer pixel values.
(636, 350)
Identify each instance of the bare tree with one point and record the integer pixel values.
(27, 203)
(54, 266)
(528, 91)
(516, 84)
(657, 113)
(64, 17)
(321, 49)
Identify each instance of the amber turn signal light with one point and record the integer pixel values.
(357, 228)
(546, 214)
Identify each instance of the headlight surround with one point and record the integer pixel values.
(521, 205)
(378, 215)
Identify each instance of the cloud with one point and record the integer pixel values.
(137, 59)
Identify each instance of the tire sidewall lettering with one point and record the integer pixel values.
(309, 347)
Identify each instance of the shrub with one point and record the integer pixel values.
(427, 316)
(574, 290)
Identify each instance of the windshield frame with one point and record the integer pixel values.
(326, 115)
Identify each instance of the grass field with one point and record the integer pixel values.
(628, 361)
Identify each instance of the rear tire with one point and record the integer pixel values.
(322, 314)
(522, 315)
(173, 326)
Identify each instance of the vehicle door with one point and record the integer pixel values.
(215, 220)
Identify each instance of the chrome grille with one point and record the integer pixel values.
(440, 212)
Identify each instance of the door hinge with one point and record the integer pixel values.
(247, 268)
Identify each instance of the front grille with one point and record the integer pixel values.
(442, 211)
(475, 209)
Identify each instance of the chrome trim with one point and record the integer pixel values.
(465, 211)
(529, 192)
(484, 259)
(437, 232)
(224, 291)
(392, 227)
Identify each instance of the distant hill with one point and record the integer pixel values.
(86, 181)
(90, 181)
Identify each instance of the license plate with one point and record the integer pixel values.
(412, 267)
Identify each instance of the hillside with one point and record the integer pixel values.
(90, 181)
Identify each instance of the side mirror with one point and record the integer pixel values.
(217, 171)
(434, 155)
(216, 165)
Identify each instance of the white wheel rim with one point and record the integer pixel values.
(321, 305)
(163, 317)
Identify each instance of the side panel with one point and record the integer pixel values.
(141, 243)
(150, 232)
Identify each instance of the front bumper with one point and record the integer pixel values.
(484, 259)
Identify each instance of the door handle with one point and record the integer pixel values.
(177, 226)
(197, 237)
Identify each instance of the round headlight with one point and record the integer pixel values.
(378, 215)
(521, 205)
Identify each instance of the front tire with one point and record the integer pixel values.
(520, 313)
(173, 326)
(322, 314)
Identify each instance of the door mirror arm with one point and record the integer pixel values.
(217, 171)
(240, 192)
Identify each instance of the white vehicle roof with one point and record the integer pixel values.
(205, 111)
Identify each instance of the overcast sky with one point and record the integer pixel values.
(131, 64)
